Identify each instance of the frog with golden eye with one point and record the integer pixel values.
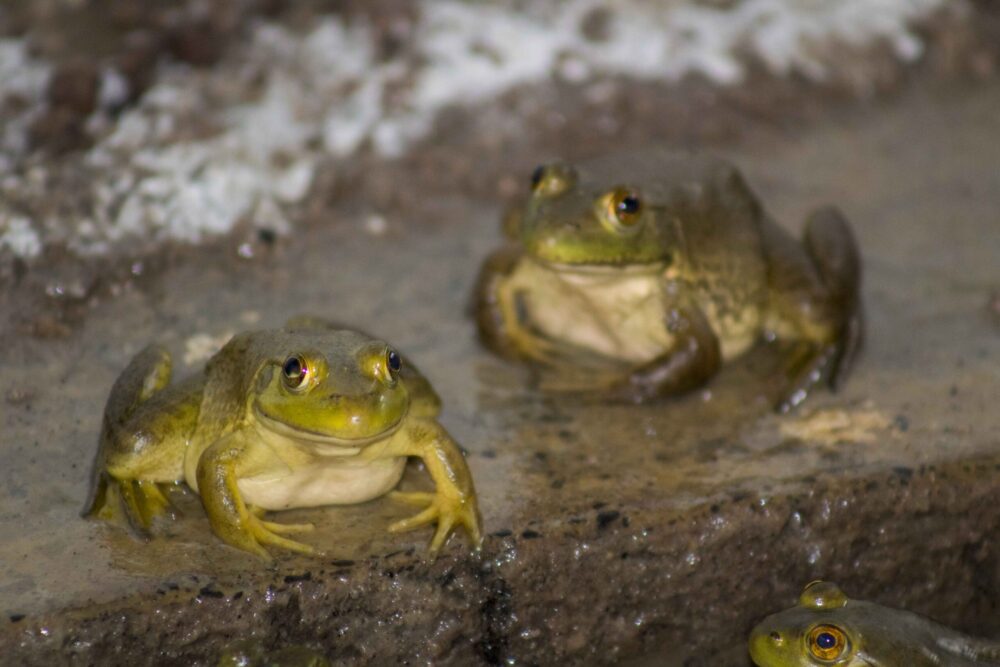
(829, 629)
(644, 273)
(309, 415)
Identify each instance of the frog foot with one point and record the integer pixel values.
(447, 510)
(141, 500)
(264, 532)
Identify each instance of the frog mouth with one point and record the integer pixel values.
(603, 269)
(325, 443)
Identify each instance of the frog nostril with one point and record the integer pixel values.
(776, 638)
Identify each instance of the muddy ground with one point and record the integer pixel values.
(661, 532)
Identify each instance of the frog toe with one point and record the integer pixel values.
(266, 532)
(418, 498)
(441, 534)
(424, 518)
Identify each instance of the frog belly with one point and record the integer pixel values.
(616, 313)
(323, 482)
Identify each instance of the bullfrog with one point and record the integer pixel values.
(312, 414)
(827, 628)
(646, 272)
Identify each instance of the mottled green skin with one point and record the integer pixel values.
(877, 637)
(725, 275)
(247, 442)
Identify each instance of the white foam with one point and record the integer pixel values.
(289, 101)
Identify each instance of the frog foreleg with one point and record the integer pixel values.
(230, 517)
(694, 357)
(453, 502)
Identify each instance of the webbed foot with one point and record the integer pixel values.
(140, 501)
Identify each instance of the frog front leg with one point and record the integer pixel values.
(692, 359)
(454, 501)
(232, 520)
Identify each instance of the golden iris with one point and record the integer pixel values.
(827, 642)
(623, 207)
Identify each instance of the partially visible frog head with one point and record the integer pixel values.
(815, 633)
(576, 217)
(337, 385)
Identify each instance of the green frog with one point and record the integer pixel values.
(829, 629)
(309, 415)
(647, 272)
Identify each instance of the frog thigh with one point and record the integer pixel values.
(815, 300)
(424, 401)
(694, 357)
(147, 373)
(495, 316)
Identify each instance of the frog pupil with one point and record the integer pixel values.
(395, 363)
(825, 640)
(292, 368)
(536, 176)
(629, 205)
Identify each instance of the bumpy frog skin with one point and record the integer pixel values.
(648, 272)
(306, 416)
(827, 629)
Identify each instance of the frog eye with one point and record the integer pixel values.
(552, 180)
(622, 207)
(827, 642)
(393, 361)
(294, 372)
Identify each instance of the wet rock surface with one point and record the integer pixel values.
(615, 531)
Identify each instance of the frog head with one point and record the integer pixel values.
(578, 218)
(814, 633)
(334, 387)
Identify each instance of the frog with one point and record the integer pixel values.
(645, 272)
(827, 628)
(312, 414)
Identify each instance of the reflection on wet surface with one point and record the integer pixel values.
(924, 389)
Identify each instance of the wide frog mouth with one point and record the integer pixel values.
(600, 268)
(324, 443)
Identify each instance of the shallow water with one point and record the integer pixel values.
(919, 180)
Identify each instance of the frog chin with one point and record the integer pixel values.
(322, 443)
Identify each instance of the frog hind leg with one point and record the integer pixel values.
(492, 305)
(815, 302)
(232, 520)
(114, 498)
(834, 251)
